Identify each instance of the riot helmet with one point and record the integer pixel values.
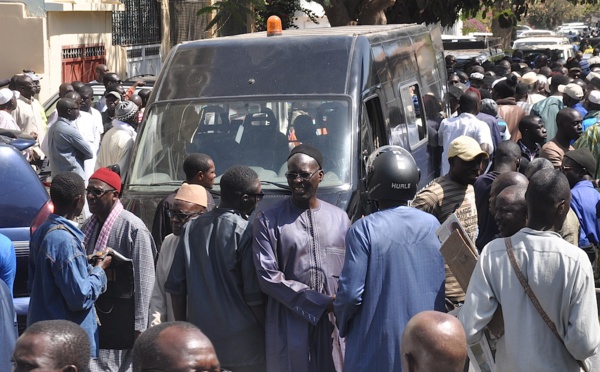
(392, 174)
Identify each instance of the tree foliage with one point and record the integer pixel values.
(239, 14)
(553, 13)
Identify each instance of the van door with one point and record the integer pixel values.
(417, 128)
(373, 135)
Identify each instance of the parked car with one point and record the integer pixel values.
(537, 33)
(98, 88)
(535, 41)
(558, 51)
(23, 199)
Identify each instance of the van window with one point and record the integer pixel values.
(413, 113)
(373, 106)
(257, 133)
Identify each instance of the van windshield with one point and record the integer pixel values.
(256, 133)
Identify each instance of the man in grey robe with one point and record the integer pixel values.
(212, 281)
(299, 253)
(112, 226)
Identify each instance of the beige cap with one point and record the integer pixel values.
(529, 78)
(192, 193)
(465, 148)
(572, 90)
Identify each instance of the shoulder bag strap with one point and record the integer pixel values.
(532, 297)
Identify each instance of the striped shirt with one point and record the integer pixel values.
(441, 198)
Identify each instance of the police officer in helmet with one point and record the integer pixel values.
(393, 268)
(392, 177)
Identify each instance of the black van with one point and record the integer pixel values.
(249, 99)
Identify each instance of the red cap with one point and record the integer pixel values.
(109, 177)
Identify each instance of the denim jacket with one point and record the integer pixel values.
(63, 285)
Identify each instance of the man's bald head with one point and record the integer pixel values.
(568, 123)
(548, 200)
(67, 108)
(433, 341)
(536, 165)
(511, 210)
(65, 88)
(470, 103)
(174, 346)
(503, 181)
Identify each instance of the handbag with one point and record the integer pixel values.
(533, 298)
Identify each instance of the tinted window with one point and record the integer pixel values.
(256, 133)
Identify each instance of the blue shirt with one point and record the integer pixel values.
(585, 201)
(8, 262)
(67, 148)
(393, 270)
(63, 285)
(579, 107)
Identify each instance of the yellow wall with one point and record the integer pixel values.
(72, 28)
(22, 41)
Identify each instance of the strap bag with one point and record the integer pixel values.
(531, 295)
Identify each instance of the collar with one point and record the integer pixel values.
(467, 115)
(27, 101)
(70, 225)
(584, 183)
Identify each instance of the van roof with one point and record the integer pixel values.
(309, 61)
(325, 32)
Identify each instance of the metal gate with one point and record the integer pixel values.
(138, 30)
(79, 62)
(143, 60)
(139, 24)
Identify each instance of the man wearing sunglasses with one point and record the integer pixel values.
(212, 281)
(299, 253)
(190, 201)
(112, 226)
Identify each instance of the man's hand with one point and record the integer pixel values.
(103, 261)
(330, 304)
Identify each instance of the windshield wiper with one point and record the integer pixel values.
(280, 185)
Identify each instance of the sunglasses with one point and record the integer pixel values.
(304, 176)
(182, 215)
(97, 192)
(258, 197)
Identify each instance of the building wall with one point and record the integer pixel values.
(23, 41)
(73, 28)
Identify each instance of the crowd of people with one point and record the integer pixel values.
(87, 135)
(297, 286)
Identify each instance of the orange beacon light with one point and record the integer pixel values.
(274, 26)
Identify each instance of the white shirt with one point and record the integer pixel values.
(7, 121)
(463, 125)
(117, 146)
(161, 307)
(561, 277)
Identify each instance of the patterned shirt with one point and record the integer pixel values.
(590, 140)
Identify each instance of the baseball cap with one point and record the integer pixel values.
(529, 78)
(465, 148)
(584, 158)
(34, 76)
(7, 94)
(572, 90)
